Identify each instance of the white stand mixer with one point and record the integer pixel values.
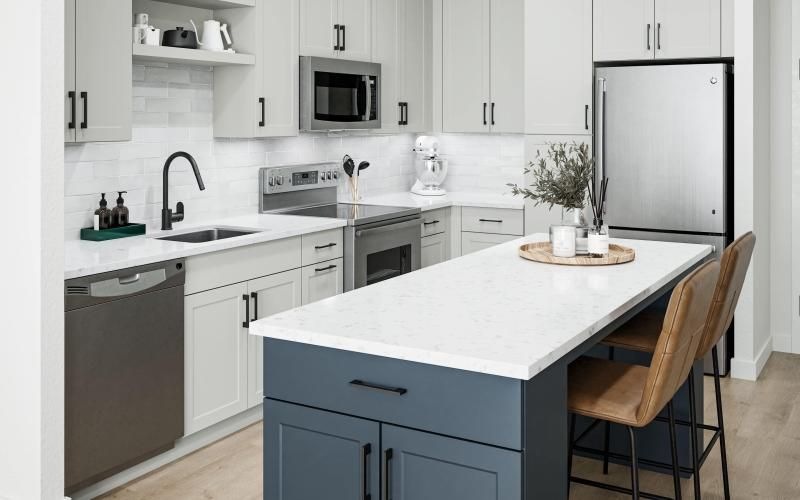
(431, 170)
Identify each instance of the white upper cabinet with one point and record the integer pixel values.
(98, 70)
(336, 28)
(623, 29)
(687, 28)
(260, 100)
(656, 29)
(558, 102)
(482, 66)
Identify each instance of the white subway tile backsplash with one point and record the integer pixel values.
(173, 106)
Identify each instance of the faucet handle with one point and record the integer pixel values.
(178, 215)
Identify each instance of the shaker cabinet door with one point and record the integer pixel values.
(280, 71)
(70, 98)
(356, 18)
(317, 33)
(323, 280)
(687, 28)
(507, 107)
(624, 30)
(103, 70)
(422, 466)
(314, 454)
(434, 249)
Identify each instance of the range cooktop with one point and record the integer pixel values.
(356, 215)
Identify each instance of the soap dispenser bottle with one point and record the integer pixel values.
(119, 215)
(102, 216)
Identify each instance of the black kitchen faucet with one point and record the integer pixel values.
(167, 217)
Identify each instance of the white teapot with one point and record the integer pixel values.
(212, 35)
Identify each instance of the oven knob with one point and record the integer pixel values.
(335, 174)
(279, 180)
(322, 176)
(271, 181)
(328, 175)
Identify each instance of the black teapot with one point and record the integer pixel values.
(179, 37)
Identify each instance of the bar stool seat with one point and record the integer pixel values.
(639, 334)
(607, 390)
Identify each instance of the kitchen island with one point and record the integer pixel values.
(449, 382)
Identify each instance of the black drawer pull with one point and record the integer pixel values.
(338, 37)
(254, 296)
(323, 247)
(85, 122)
(499, 221)
(399, 391)
(428, 223)
(71, 95)
(365, 452)
(263, 102)
(586, 116)
(387, 485)
(320, 269)
(246, 322)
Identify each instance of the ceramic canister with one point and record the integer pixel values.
(563, 241)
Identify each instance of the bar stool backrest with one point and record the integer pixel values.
(733, 268)
(682, 330)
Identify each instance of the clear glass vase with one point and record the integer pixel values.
(574, 217)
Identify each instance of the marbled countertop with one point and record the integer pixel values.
(457, 198)
(489, 312)
(83, 258)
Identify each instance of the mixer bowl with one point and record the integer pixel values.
(431, 173)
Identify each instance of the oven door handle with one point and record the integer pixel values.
(389, 228)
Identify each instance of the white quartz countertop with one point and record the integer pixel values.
(489, 312)
(83, 258)
(456, 198)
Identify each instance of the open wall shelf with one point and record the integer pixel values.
(151, 53)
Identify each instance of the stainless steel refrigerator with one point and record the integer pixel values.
(662, 138)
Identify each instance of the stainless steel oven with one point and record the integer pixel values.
(382, 250)
(337, 94)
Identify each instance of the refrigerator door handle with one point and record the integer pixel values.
(600, 134)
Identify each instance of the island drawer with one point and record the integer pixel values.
(462, 404)
(322, 246)
(493, 220)
(435, 221)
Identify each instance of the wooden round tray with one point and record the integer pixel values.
(543, 252)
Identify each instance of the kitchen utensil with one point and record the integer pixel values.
(152, 36)
(431, 169)
(179, 37)
(139, 35)
(348, 165)
(362, 166)
(212, 35)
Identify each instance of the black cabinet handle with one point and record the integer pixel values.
(322, 247)
(366, 450)
(246, 322)
(658, 36)
(400, 121)
(484, 113)
(648, 36)
(254, 296)
(328, 268)
(263, 103)
(586, 116)
(85, 122)
(493, 113)
(344, 38)
(71, 95)
(428, 223)
(397, 391)
(387, 486)
(405, 119)
(499, 221)
(338, 35)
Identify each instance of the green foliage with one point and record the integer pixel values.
(560, 177)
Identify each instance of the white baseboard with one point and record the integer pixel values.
(782, 343)
(183, 447)
(746, 369)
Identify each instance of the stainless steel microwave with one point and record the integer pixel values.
(336, 94)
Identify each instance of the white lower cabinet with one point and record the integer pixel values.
(322, 280)
(473, 242)
(435, 249)
(268, 295)
(215, 356)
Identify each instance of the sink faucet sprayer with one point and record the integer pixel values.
(167, 217)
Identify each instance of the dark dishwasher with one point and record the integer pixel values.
(123, 379)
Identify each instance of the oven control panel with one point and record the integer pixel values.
(298, 177)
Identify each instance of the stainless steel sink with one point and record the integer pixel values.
(206, 235)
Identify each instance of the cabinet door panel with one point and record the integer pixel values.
(621, 30)
(430, 467)
(356, 17)
(415, 64)
(317, 36)
(556, 101)
(103, 70)
(215, 356)
(387, 51)
(434, 249)
(280, 70)
(507, 113)
(474, 242)
(466, 65)
(687, 28)
(276, 293)
(323, 280)
(70, 103)
(314, 454)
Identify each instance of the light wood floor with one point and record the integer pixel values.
(762, 422)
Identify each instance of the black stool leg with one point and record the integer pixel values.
(569, 453)
(634, 466)
(676, 474)
(607, 425)
(723, 453)
(693, 436)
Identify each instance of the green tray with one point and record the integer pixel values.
(89, 234)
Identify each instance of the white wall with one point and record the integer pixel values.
(32, 311)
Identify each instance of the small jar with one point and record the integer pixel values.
(563, 241)
(598, 242)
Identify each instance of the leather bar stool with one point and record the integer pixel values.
(633, 395)
(642, 332)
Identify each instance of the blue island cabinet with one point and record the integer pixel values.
(341, 425)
